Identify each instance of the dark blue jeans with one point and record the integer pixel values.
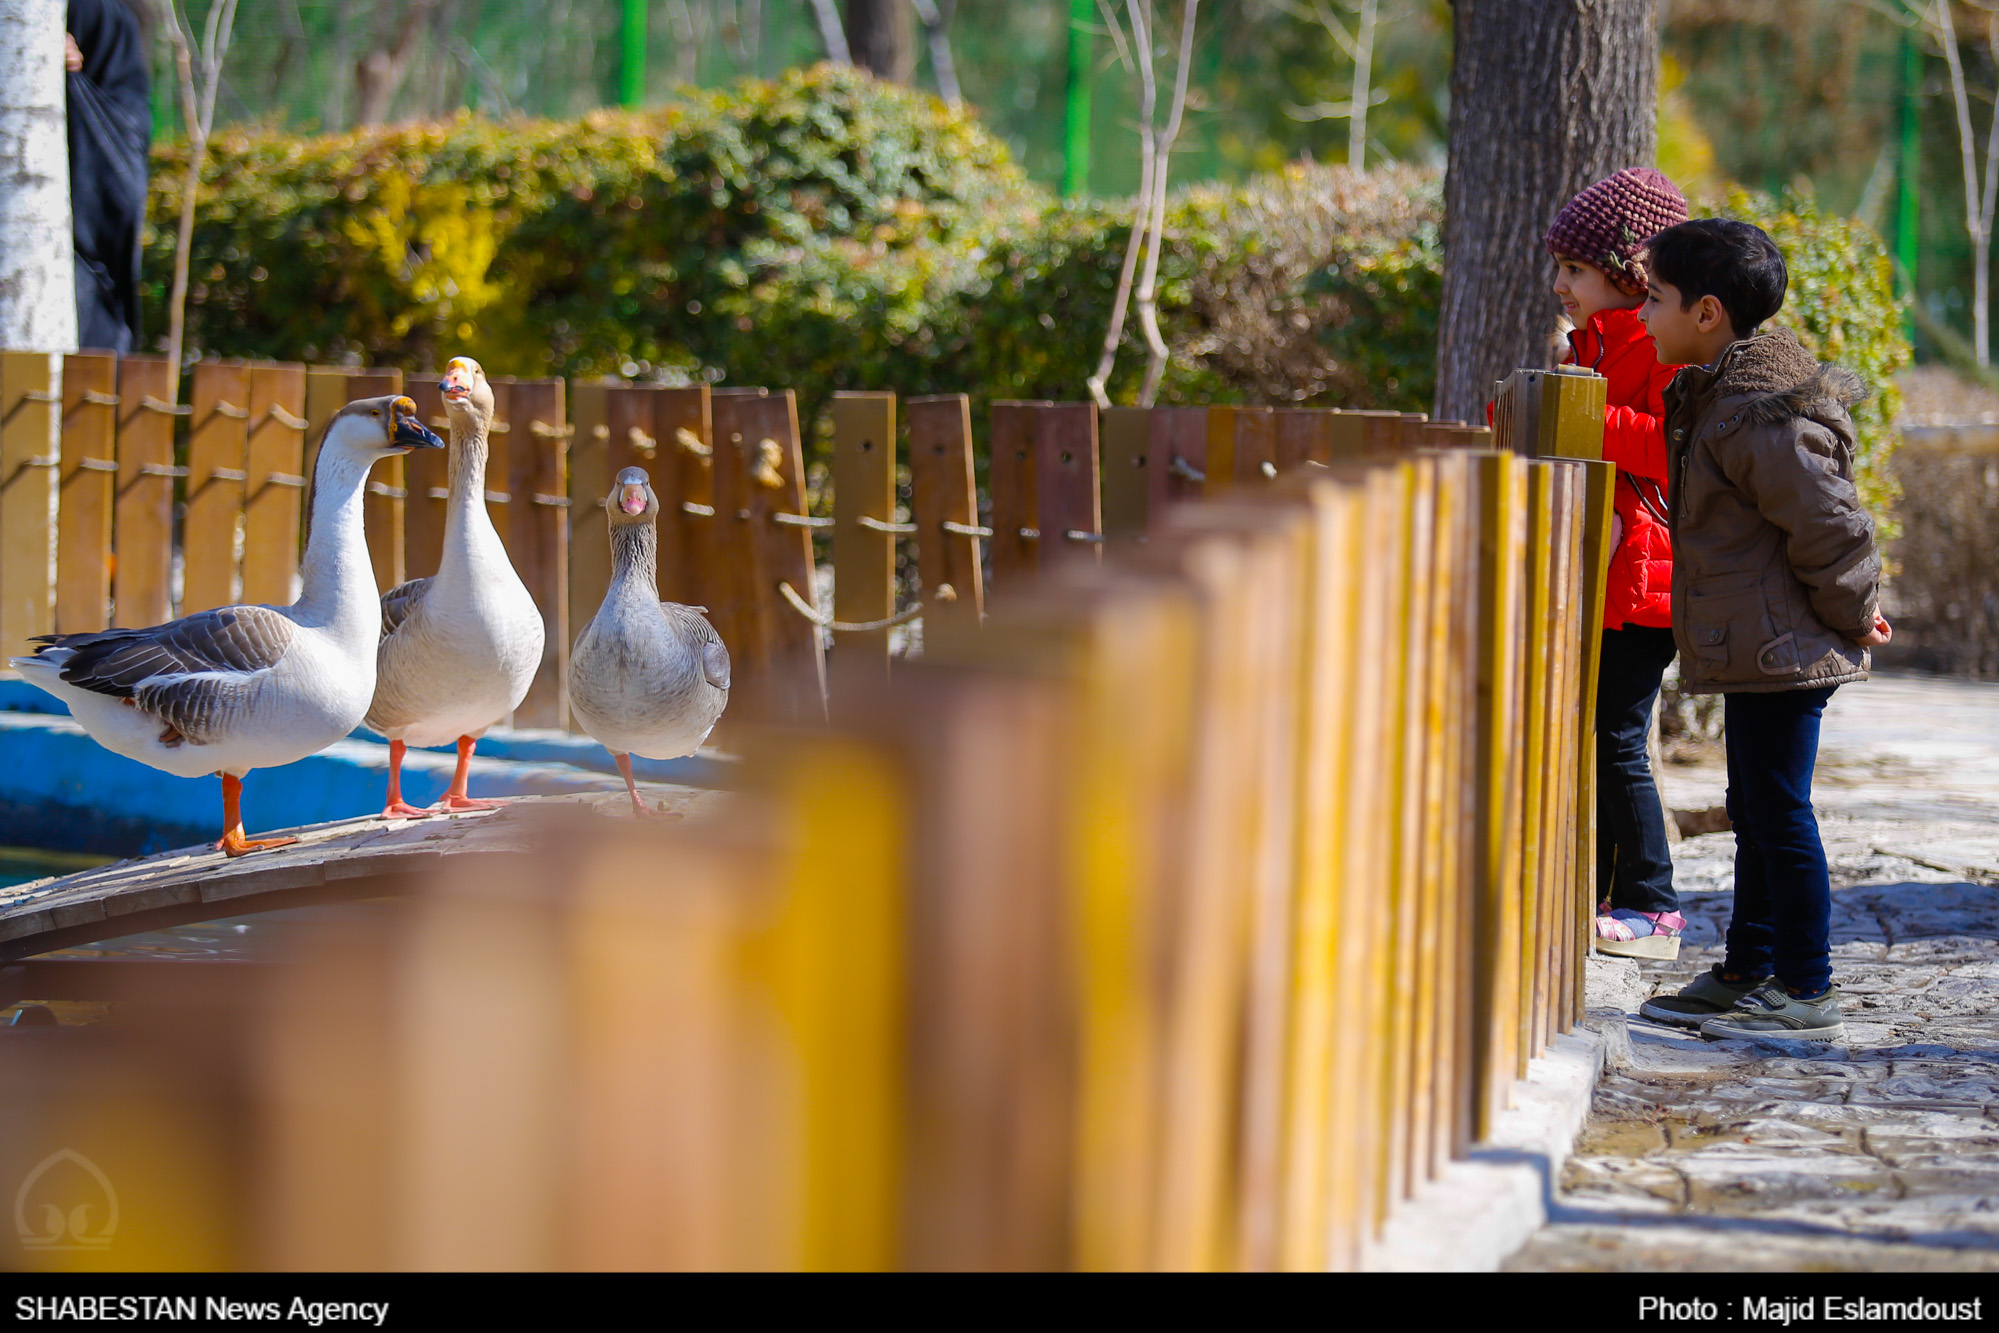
(1783, 895)
(1634, 865)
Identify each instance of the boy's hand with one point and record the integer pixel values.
(1880, 634)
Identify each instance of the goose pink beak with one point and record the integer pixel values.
(633, 500)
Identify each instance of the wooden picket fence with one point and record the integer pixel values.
(109, 489)
(1190, 912)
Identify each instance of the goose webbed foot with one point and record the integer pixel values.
(404, 810)
(452, 803)
(233, 843)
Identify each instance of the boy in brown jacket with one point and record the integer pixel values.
(1775, 580)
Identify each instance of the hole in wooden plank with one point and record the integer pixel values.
(1068, 457)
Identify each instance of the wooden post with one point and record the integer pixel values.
(274, 459)
(1127, 489)
(682, 421)
(1011, 482)
(1303, 435)
(30, 458)
(774, 489)
(427, 479)
(217, 439)
(941, 491)
(1495, 968)
(1179, 465)
(1255, 445)
(537, 481)
(88, 486)
(142, 536)
(1537, 648)
(1066, 490)
(1221, 449)
(382, 505)
(589, 482)
(729, 583)
(863, 551)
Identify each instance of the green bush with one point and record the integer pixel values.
(826, 231)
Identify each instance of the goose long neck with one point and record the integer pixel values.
(338, 579)
(635, 561)
(467, 524)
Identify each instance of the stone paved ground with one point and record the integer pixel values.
(1881, 1154)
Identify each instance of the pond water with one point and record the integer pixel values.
(18, 865)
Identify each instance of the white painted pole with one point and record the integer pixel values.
(37, 262)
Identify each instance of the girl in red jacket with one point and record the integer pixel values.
(1598, 242)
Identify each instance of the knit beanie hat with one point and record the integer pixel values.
(1611, 223)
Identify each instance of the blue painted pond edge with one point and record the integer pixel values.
(61, 790)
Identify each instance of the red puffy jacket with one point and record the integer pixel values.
(1615, 345)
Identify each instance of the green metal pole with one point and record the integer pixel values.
(1908, 165)
(632, 60)
(1076, 105)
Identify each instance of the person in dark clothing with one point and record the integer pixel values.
(110, 130)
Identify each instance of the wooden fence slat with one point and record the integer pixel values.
(1537, 645)
(1067, 512)
(501, 446)
(274, 458)
(1495, 970)
(1303, 435)
(682, 423)
(88, 491)
(382, 505)
(1179, 454)
(537, 479)
(1412, 735)
(1326, 767)
(142, 535)
(1255, 446)
(942, 489)
(427, 480)
(1126, 442)
(589, 482)
(729, 585)
(211, 523)
(1221, 449)
(30, 460)
(1011, 484)
(782, 555)
(863, 557)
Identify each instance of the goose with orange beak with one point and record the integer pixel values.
(646, 677)
(459, 649)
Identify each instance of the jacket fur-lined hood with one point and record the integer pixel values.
(1782, 380)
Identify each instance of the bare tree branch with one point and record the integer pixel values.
(197, 100)
(1148, 96)
(936, 20)
(831, 33)
(1148, 288)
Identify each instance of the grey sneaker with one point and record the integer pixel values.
(1706, 996)
(1772, 1011)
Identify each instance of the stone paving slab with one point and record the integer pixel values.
(1879, 1154)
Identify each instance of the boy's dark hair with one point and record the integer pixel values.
(1734, 262)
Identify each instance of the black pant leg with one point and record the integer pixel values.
(1634, 861)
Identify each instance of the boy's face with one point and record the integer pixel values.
(1692, 335)
(1585, 290)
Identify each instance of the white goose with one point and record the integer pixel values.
(646, 677)
(245, 687)
(458, 649)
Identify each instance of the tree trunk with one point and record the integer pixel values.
(882, 38)
(1547, 96)
(38, 261)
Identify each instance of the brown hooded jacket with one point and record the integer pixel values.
(1774, 571)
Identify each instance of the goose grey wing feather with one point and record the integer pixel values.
(399, 602)
(690, 621)
(185, 672)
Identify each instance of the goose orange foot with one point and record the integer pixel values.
(235, 844)
(450, 802)
(404, 810)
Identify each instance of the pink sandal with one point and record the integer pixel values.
(1630, 934)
